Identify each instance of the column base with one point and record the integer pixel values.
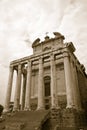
(75, 108)
(55, 107)
(27, 109)
(71, 106)
(5, 110)
(15, 109)
(40, 108)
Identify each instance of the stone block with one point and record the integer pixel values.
(15, 126)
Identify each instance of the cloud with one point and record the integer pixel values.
(23, 21)
(74, 27)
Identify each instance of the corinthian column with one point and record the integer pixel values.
(28, 87)
(73, 85)
(68, 81)
(18, 90)
(54, 99)
(40, 86)
(9, 89)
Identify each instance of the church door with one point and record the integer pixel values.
(47, 91)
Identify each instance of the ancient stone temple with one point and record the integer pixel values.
(52, 79)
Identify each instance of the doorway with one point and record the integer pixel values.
(47, 91)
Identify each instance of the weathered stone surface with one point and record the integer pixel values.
(26, 120)
(15, 126)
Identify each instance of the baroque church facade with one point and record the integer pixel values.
(52, 78)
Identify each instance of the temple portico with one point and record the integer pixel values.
(47, 75)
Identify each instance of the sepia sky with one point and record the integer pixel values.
(21, 21)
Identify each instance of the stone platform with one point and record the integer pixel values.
(54, 119)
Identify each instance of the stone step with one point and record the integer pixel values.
(26, 120)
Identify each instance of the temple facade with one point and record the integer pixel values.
(50, 78)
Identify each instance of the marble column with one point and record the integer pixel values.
(18, 90)
(68, 81)
(40, 86)
(9, 89)
(79, 106)
(54, 98)
(74, 87)
(23, 92)
(28, 87)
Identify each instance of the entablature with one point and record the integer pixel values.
(66, 49)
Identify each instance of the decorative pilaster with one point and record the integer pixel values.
(23, 92)
(18, 90)
(68, 81)
(9, 89)
(54, 99)
(28, 87)
(40, 86)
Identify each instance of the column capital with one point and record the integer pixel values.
(29, 62)
(66, 54)
(19, 67)
(40, 59)
(11, 67)
(51, 56)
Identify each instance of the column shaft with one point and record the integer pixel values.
(40, 85)
(23, 92)
(28, 87)
(54, 98)
(69, 82)
(74, 92)
(18, 90)
(9, 89)
(77, 90)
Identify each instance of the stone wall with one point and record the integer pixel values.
(67, 119)
(82, 81)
